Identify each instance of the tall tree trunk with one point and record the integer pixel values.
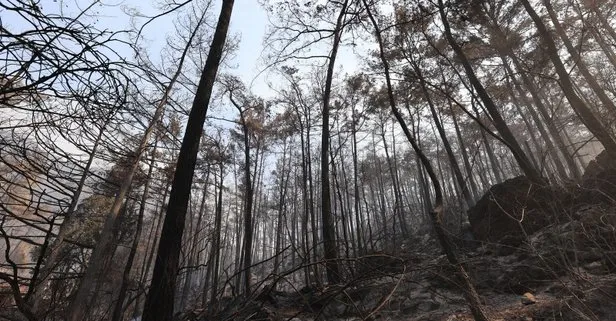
(347, 217)
(314, 224)
(382, 202)
(159, 302)
(105, 246)
(248, 201)
(237, 264)
(329, 232)
(282, 193)
(306, 196)
(356, 199)
(342, 226)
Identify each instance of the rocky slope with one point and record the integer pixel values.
(542, 253)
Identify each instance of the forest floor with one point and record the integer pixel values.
(555, 261)
(563, 283)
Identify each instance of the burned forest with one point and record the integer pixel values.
(219, 160)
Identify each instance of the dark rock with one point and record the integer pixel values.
(513, 209)
(510, 274)
(465, 241)
(599, 181)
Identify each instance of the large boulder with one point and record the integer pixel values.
(513, 209)
(599, 181)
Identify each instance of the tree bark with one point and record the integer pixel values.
(329, 232)
(159, 302)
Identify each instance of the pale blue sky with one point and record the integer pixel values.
(249, 21)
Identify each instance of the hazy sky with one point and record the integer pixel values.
(249, 21)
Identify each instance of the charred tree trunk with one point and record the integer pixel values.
(159, 302)
(329, 231)
(441, 131)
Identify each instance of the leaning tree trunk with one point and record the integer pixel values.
(159, 302)
(305, 197)
(441, 131)
(119, 304)
(436, 213)
(51, 254)
(583, 111)
(501, 126)
(579, 62)
(106, 245)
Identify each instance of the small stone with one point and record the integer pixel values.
(528, 299)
